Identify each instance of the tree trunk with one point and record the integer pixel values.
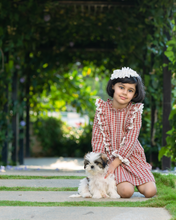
(27, 152)
(21, 143)
(15, 119)
(5, 146)
(166, 161)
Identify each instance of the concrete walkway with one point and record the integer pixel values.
(82, 213)
(59, 196)
(36, 172)
(61, 167)
(40, 182)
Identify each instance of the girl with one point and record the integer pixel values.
(116, 129)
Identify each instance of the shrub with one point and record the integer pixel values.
(49, 133)
(59, 139)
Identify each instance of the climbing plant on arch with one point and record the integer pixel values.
(40, 39)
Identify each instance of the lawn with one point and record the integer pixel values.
(166, 194)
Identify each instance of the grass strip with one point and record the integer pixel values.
(148, 203)
(24, 188)
(39, 177)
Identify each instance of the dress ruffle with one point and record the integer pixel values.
(132, 114)
(128, 126)
(103, 124)
(124, 160)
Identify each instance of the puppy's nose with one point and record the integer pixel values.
(92, 167)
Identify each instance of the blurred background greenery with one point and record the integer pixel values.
(57, 56)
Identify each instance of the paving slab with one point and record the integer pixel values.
(42, 173)
(83, 213)
(59, 196)
(40, 182)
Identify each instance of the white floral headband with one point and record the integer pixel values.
(124, 72)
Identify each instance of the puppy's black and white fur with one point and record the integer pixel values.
(95, 185)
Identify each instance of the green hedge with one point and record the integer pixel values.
(59, 139)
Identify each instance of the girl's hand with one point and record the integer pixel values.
(112, 166)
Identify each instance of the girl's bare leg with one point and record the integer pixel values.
(125, 189)
(147, 189)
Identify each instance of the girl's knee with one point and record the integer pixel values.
(148, 189)
(150, 192)
(125, 192)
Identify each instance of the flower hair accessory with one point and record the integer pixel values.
(124, 72)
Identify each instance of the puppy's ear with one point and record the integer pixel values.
(86, 162)
(104, 159)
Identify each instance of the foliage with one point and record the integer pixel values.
(170, 149)
(61, 36)
(68, 89)
(49, 132)
(5, 117)
(59, 139)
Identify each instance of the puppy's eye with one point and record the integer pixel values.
(97, 163)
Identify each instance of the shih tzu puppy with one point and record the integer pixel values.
(95, 185)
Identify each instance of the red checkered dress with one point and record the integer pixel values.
(115, 132)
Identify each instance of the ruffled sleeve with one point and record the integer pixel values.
(100, 135)
(132, 130)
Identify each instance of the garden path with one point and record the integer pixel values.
(70, 167)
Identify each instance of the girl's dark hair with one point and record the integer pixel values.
(140, 93)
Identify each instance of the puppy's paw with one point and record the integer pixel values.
(87, 195)
(105, 195)
(75, 196)
(97, 196)
(115, 196)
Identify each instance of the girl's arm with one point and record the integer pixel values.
(112, 166)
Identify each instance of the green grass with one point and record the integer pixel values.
(39, 177)
(81, 203)
(166, 195)
(24, 188)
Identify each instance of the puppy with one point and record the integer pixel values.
(95, 185)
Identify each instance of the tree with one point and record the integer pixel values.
(41, 38)
(169, 148)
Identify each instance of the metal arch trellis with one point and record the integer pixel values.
(92, 7)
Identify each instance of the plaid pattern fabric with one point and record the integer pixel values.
(115, 132)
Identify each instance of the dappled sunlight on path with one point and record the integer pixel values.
(60, 163)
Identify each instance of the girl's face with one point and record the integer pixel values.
(123, 94)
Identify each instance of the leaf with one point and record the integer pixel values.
(173, 21)
(174, 93)
(173, 112)
(171, 42)
(169, 53)
(11, 64)
(162, 152)
(45, 65)
(170, 131)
